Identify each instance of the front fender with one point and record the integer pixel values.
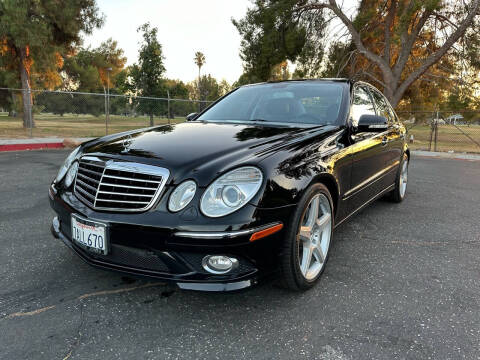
(293, 170)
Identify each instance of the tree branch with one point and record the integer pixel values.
(371, 76)
(408, 41)
(444, 18)
(358, 40)
(346, 62)
(437, 55)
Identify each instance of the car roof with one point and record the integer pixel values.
(343, 80)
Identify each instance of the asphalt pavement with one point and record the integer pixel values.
(402, 282)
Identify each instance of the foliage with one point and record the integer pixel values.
(272, 34)
(199, 60)
(392, 43)
(87, 69)
(35, 34)
(147, 74)
(225, 87)
(210, 90)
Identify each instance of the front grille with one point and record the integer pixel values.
(118, 186)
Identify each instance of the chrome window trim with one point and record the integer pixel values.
(133, 167)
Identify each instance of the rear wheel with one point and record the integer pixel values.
(400, 191)
(308, 239)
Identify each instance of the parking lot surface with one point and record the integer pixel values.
(402, 282)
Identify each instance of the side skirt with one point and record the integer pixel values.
(389, 188)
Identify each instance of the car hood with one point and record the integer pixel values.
(195, 149)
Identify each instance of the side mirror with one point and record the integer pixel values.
(192, 116)
(372, 123)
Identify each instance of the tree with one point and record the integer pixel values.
(35, 33)
(178, 90)
(271, 35)
(6, 97)
(199, 61)
(393, 42)
(387, 33)
(147, 74)
(208, 89)
(225, 87)
(87, 69)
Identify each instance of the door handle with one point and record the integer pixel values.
(384, 141)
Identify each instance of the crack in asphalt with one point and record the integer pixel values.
(117, 291)
(82, 297)
(79, 335)
(29, 313)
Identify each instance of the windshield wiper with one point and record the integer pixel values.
(259, 120)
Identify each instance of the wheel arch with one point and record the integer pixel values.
(331, 183)
(407, 151)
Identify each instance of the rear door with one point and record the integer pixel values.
(394, 135)
(368, 153)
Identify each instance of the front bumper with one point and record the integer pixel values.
(157, 252)
(159, 269)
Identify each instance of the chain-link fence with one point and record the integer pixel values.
(79, 114)
(450, 131)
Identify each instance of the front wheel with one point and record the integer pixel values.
(308, 239)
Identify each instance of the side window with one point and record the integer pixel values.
(383, 107)
(362, 104)
(393, 114)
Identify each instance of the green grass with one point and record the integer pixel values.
(449, 138)
(72, 125)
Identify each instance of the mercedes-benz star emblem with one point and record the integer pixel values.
(127, 142)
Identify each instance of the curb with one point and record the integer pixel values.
(31, 146)
(446, 155)
(40, 143)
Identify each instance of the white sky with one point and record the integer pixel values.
(184, 26)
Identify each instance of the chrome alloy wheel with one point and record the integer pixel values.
(314, 236)
(404, 177)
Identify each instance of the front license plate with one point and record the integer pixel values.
(90, 234)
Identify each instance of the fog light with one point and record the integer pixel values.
(219, 264)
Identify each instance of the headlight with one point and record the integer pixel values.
(182, 195)
(71, 174)
(231, 191)
(68, 161)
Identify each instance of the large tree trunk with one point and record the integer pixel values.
(151, 120)
(26, 91)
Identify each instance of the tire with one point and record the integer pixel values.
(299, 274)
(400, 192)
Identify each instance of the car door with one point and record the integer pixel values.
(394, 136)
(368, 152)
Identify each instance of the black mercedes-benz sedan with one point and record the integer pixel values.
(252, 186)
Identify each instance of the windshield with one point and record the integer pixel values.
(281, 103)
